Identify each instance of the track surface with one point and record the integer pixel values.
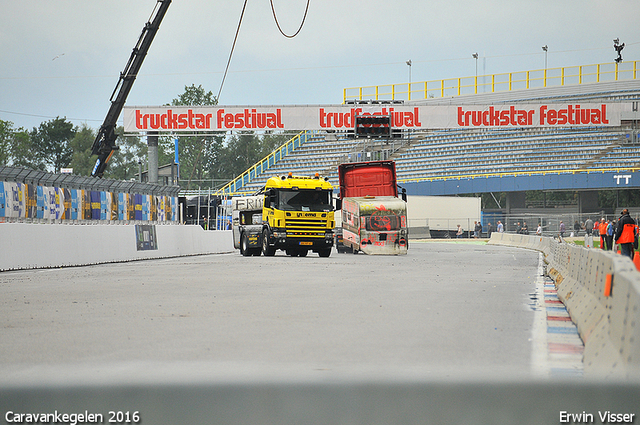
(445, 307)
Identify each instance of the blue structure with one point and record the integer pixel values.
(623, 179)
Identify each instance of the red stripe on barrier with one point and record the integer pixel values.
(559, 318)
(556, 347)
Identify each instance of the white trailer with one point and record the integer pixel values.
(442, 214)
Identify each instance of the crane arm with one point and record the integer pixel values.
(105, 142)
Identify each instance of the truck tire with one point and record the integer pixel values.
(324, 252)
(266, 249)
(244, 245)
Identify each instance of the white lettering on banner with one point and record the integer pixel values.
(626, 178)
(178, 119)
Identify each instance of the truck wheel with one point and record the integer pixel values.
(244, 245)
(303, 252)
(324, 252)
(266, 249)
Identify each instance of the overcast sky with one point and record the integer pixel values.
(63, 57)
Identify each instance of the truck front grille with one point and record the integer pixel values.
(307, 227)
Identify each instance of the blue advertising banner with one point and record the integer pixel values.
(122, 206)
(138, 206)
(104, 208)
(3, 202)
(76, 203)
(95, 205)
(40, 202)
(146, 206)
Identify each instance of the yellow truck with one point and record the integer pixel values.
(297, 216)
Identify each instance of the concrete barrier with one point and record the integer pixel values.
(28, 246)
(601, 291)
(419, 232)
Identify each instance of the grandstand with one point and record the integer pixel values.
(447, 154)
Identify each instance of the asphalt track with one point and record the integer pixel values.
(445, 308)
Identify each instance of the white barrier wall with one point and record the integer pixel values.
(601, 291)
(26, 246)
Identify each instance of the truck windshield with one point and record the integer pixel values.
(305, 200)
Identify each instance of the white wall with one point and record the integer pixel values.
(443, 212)
(28, 246)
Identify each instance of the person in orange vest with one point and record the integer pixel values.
(602, 228)
(626, 233)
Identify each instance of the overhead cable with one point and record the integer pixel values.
(304, 18)
(224, 77)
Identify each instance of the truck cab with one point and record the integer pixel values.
(297, 216)
(374, 218)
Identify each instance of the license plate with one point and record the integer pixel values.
(306, 243)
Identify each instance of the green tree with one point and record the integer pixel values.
(6, 134)
(22, 153)
(198, 155)
(244, 150)
(51, 142)
(82, 161)
(124, 162)
(271, 141)
(195, 96)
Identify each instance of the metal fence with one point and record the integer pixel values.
(493, 83)
(549, 221)
(71, 181)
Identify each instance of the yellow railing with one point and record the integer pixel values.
(521, 173)
(551, 77)
(268, 161)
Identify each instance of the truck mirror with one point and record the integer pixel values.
(338, 204)
(403, 195)
(270, 198)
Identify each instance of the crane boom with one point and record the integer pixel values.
(105, 143)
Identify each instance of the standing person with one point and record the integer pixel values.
(626, 233)
(500, 227)
(602, 229)
(539, 230)
(610, 231)
(477, 230)
(588, 226)
(489, 230)
(562, 229)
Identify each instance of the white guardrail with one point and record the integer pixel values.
(601, 291)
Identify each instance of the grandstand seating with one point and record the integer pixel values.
(450, 153)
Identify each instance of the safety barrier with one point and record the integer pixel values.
(30, 246)
(601, 291)
(28, 195)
